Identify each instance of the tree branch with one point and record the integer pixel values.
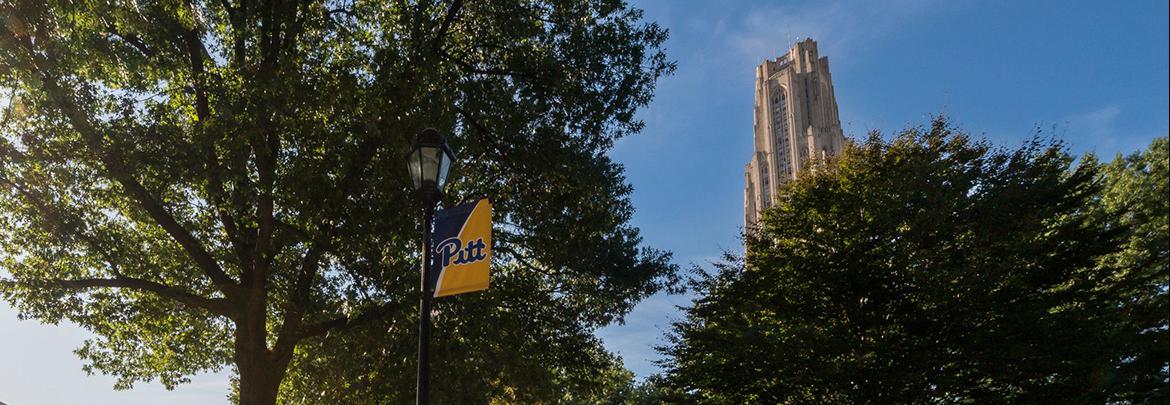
(256, 274)
(295, 307)
(329, 13)
(289, 337)
(311, 263)
(63, 100)
(483, 71)
(218, 306)
(47, 213)
(265, 143)
(238, 18)
(131, 39)
(524, 261)
(345, 323)
(297, 27)
(195, 56)
(452, 14)
(290, 228)
(192, 246)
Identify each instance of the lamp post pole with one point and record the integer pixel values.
(428, 160)
(424, 323)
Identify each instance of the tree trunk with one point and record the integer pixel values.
(259, 379)
(259, 384)
(260, 370)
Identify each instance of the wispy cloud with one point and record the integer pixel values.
(1099, 130)
(1097, 124)
(842, 26)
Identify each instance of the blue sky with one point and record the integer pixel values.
(1096, 73)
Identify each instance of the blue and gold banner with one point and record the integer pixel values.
(462, 243)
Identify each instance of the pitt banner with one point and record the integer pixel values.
(462, 243)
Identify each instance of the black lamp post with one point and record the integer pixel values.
(428, 161)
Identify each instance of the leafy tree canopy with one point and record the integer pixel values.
(1135, 199)
(929, 268)
(220, 182)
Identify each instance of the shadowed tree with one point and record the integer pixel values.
(930, 268)
(212, 183)
(1135, 199)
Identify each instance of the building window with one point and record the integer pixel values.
(780, 124)
(780, 114)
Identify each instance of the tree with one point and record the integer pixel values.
(211, 183)
(929, 268)
(656, 389)
(1134, 198)
(512, 344)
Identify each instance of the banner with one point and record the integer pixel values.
(462, 243)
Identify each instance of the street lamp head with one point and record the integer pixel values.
(429, 160)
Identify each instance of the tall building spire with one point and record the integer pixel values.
(795, 119)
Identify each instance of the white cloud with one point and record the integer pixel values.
(841, 27)
(1098, 131)
(1099, 123)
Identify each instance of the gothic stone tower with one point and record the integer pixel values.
(795, 120)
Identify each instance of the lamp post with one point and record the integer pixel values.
(428, 160)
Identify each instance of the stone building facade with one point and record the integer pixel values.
(795, 120)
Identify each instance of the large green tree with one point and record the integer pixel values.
(511, 344)
(1135, 199)
(210, 183)
(932, 267)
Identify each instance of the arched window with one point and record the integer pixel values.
(780, 128)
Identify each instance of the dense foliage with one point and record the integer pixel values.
(1135, 199)
(209, 183)
(935, 268)
(514, 344)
